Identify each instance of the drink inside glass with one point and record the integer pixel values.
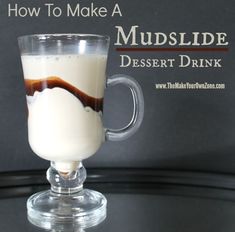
(65, 104)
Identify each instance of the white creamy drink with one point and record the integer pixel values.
(65, 99)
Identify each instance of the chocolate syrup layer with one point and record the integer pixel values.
(52, 82)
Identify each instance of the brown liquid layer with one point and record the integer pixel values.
(52, 82)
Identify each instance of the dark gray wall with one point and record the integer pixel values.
(182, 129)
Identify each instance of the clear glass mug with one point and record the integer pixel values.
(65, 81)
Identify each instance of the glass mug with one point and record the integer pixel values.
(65, 80)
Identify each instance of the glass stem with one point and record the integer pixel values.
(66, 183)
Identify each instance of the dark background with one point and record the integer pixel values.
(182, 129)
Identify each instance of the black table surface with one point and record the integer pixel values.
(138, 200)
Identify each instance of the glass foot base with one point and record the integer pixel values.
(50, 210)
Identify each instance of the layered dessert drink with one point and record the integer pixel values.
(65, 100)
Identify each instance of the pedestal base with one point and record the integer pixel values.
(50, 210)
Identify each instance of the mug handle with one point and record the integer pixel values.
(138, 110)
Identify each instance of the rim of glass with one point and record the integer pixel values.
(41, 37)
